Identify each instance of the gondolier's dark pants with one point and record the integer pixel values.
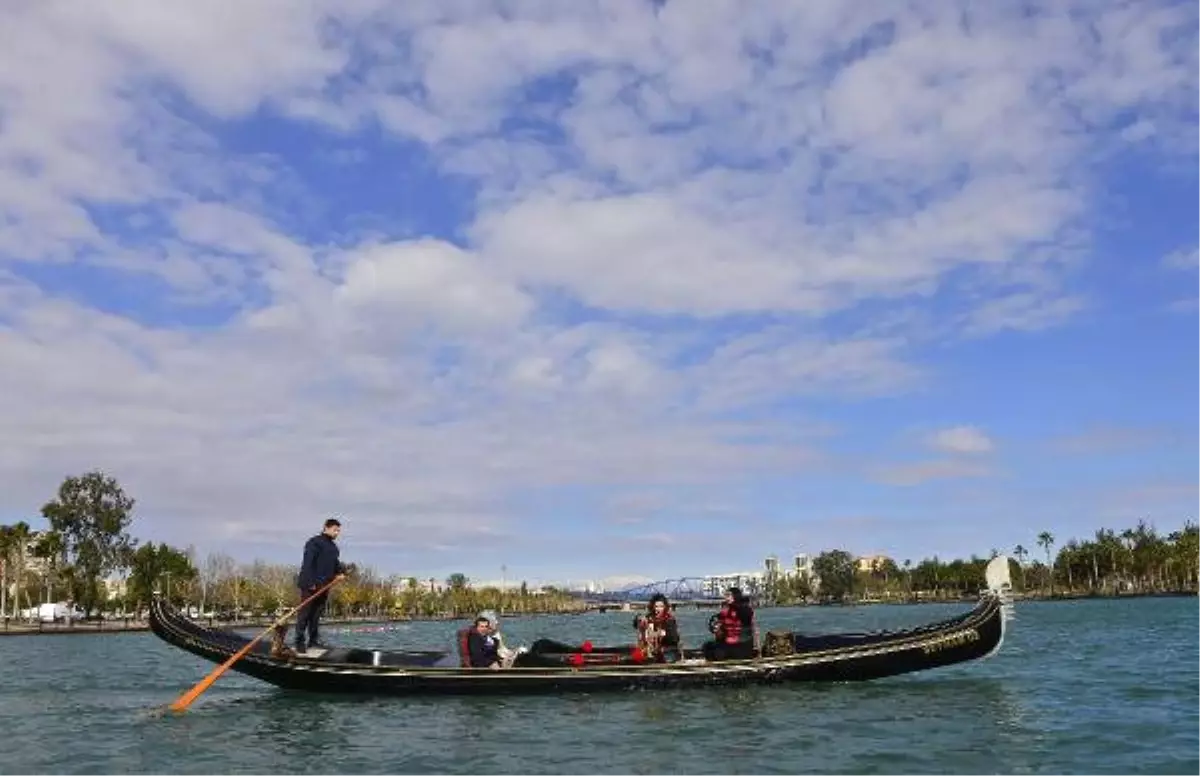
(308, 619)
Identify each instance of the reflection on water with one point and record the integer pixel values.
(293, 732)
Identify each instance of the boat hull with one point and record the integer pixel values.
(839, 658)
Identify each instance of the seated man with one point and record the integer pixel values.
(658, 631)
(734, 630)
(483, 648)
(484, 645)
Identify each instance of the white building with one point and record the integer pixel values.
(715, 585)
(115, 587)
(754, 582)
(802, 565)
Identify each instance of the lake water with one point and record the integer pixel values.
(1080, 687)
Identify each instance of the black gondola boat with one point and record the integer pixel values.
(553, 667)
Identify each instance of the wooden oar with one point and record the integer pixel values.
(191, 695)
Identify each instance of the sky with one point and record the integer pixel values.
(602, 290)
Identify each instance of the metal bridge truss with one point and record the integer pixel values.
(682, 589)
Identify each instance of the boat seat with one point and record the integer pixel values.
(464, 653)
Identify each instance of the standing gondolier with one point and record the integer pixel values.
(321, 565)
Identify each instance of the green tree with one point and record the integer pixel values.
(794, 589)
(1045, 540)
(49, 548)
(835, 569)
(14, 540)
(7, 552)
(92, 515)
(163, 568)
(458, 598)
(1020, 553)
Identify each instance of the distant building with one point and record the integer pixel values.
(715, 585)
(115, 587)
(589, 587)
(871, 563)
(755, 582)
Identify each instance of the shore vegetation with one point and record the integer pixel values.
(88, 558)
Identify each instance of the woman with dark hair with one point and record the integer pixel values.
(735, 634)
(658, 631)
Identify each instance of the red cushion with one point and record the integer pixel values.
(464, 653)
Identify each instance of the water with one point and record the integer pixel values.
(1082, 687)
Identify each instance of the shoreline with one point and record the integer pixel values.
(1016, 597)
(102, 627)
(132, 625)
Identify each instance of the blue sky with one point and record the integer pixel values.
(603, 291)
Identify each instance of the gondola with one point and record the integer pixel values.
(553, 667)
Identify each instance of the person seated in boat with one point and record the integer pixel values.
(658, 631)
(735, 634)
(483, 644)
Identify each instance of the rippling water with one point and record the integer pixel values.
(1082, 687)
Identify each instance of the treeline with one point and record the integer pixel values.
(88, 543)
(220, 587)
(1130, 561)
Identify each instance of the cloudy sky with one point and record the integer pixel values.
(601, 288)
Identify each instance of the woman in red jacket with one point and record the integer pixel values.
(734, 630)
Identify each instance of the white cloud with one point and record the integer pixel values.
(656, 251)
(1107, 439)
(1021, 311)
(1182, 259)
(642, 253)
(964, 447)
(920, 472)
(962, 439)
(774, 364)
(1186, 306)
(427, 279)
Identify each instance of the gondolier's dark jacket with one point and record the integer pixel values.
(321, 562)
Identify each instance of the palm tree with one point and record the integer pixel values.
(50, 547)
(1046, 541)
(22, 534)
(1068, 556)
(1020, 553)
(1128, 538)
(7, 543)
(20, 538)
(1106, 539)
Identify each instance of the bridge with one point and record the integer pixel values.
(693, 590)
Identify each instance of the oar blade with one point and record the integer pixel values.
(189, 697)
